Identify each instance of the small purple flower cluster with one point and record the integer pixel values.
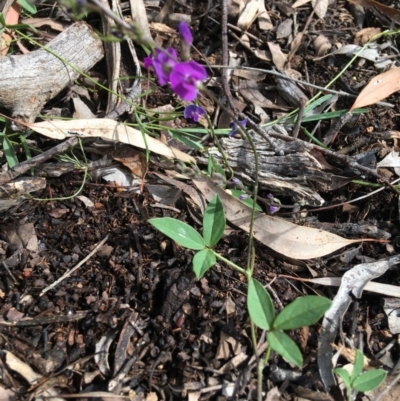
(234, 127)
(185, 77)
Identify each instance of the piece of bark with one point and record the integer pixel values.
(297, 173)
(28, 81)
(14, 192)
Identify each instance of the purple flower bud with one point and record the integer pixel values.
(273, 209)
(234, 127)
(185, 79)
(236, 181)
(185, 33)
(243, 196)
(193, 112)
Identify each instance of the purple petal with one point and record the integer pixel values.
(185, 33)
(185, 79)
(236, 181)
(193, 112)
(234, 127)
(273, 209)
(163, 64)
(148, 62)
(243, 196)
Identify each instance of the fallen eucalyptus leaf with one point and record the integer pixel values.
(380, 87)
(280, 235)
(111, 130)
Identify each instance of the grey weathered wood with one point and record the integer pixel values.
(297, 173)
(30, 80)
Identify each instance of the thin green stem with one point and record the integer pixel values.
(313, 138)
(223, 154)
(253, 331)
(86, 173)
(229, 263)
(267, 355)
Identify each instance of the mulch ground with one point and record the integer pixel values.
(132, 320)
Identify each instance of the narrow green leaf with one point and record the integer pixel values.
(344, 375)
(358, 365)
(28, 6)
(186, 140)
(9, 152)
(369, 380)
(25, 146)
(259, 305)
(281, 343)
(202, 261)
(303, 311)
(214, 167)
(213, 222)
(316, 103)
(180, 232)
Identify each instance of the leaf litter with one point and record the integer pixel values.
(139, 261)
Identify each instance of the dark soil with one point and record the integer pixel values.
(132, 320)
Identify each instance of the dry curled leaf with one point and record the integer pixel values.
(380, 87)
(322, 45)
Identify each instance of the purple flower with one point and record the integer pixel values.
(234, 127)
(243, 197)
(273, 209)
(193, 112)
(236, 181)
(185, 79)
(185, 33)
(163, 63)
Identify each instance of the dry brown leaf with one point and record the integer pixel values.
(134, 160)
(250, 91)
(286, 238)
(320, 7)
(363, 36)
(39, 22)
(111, 130)
(11, 18)
(390, 12)
(278, 57)
(380, 87)
(284, 29)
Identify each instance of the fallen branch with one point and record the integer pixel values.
(30, 80)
